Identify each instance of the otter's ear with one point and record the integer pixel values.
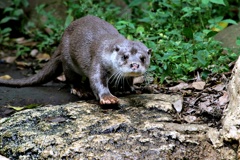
(150, 51)
(116, 48)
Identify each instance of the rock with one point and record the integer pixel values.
(231, 119)
(141, 127)
(228, 36)
(3, 158)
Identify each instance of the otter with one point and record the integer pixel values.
(93, 48)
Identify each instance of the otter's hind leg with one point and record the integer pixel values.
(79, 85)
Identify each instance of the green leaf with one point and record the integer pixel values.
(188, 33)
(17, 2)
(218, 2)
(165, 66)
(200, 56)
(153, 68)
(6, 19)
(25, 3)
(151, 44)
(218, 19)
(140, 29)
(145, 19)
(69, 19)
(238, 41)
(211, 34)
(131, 25)
(205, 2)
(229, 21)
(130, 37)
(205, 74)
(17, 12)
(136, 3)
(8, 9)
(5, 30)
(153, 38)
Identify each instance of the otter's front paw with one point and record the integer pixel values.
(109, 99)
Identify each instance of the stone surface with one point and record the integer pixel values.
(3, 158)
(231, 119)
(228, 37)
(141, 127)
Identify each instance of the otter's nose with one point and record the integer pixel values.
(134, 66)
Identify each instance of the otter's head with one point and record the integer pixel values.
(131, 59)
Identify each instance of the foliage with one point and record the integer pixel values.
(13, 13)
(4, 35)
(179, 31)
(50, 33)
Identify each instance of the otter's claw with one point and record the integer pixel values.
(109, 99)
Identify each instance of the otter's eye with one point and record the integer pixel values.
(116, 48)
(143, 59)
(125, 57)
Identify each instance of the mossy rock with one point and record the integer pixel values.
(228, 37)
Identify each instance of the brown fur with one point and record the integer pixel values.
(93, 48)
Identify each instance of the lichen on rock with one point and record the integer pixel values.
(141, 127)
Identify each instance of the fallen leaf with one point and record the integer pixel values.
(198, 78)
(43, 57)
(198, 85)
(61, 78)
(204, 106)
(138, 80)
(25, 42)
(224, 98)
(192, 100)
(178, 105)
(191, 110)
(30, 43)
(23, 64)
(34, 52)
(48, 30)
(20, 40)
(190, 119)
(9, 59)
(179, 86)
(219, 87)
(16, 108)
(5, 77)
(2, 54)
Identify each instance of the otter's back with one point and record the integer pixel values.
(90, 24)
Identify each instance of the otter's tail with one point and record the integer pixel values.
(51, 70)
